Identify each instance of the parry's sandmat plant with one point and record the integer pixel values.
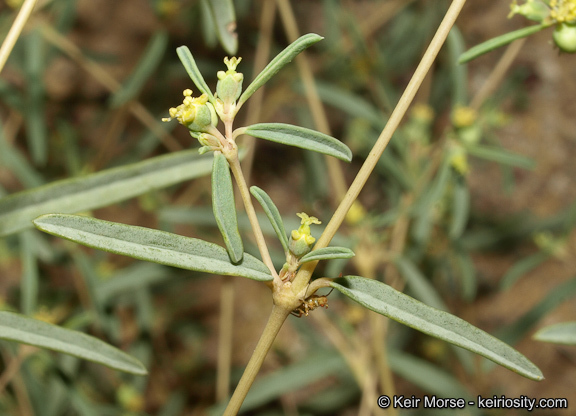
(293, 289)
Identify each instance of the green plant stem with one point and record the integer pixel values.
(225, 338)
(275, 322)
(246, 199)
(303, 276)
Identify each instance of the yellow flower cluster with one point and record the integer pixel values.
(563, 11)
(185, 113)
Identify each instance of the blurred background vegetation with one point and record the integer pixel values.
(489, 238)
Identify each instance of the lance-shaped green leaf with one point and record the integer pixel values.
(499, 41)
(100, 189)
(389, 302)
(328, 253)
(299, 137)
(15, 327)
(224, 207)
(190, 65)
(225, 21)
(273, 214)
(278, 62)
(500, 155)
(562, 333)
(151, 245)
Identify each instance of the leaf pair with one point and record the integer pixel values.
(271, 211)
(268, 72)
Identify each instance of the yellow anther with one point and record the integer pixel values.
(186, 112)
(563, 11)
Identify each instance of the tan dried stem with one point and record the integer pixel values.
(497, 75)
(305, 273)
(15, 31)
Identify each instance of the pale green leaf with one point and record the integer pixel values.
(224, 207)
(460, 210)
(500, 155)
(427, 376)
(151, 245)
(562, 333)
(328, 253)
(225, 19)
(499, 41)
(14, 327)
(300, 137)
(100, 189)
(517, 330)
(273, 214)
(522, 267)
(193, 71)
(389, 302)
(278, 62)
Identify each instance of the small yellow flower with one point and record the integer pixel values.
(463, 116)
(356, 213)
(232, 64)
(195, 113)
(301, 240)
(303, 231)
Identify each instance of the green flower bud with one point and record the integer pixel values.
(301, 240)
(229, 85)
(565, 37)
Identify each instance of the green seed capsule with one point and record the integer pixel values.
(565, 37)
